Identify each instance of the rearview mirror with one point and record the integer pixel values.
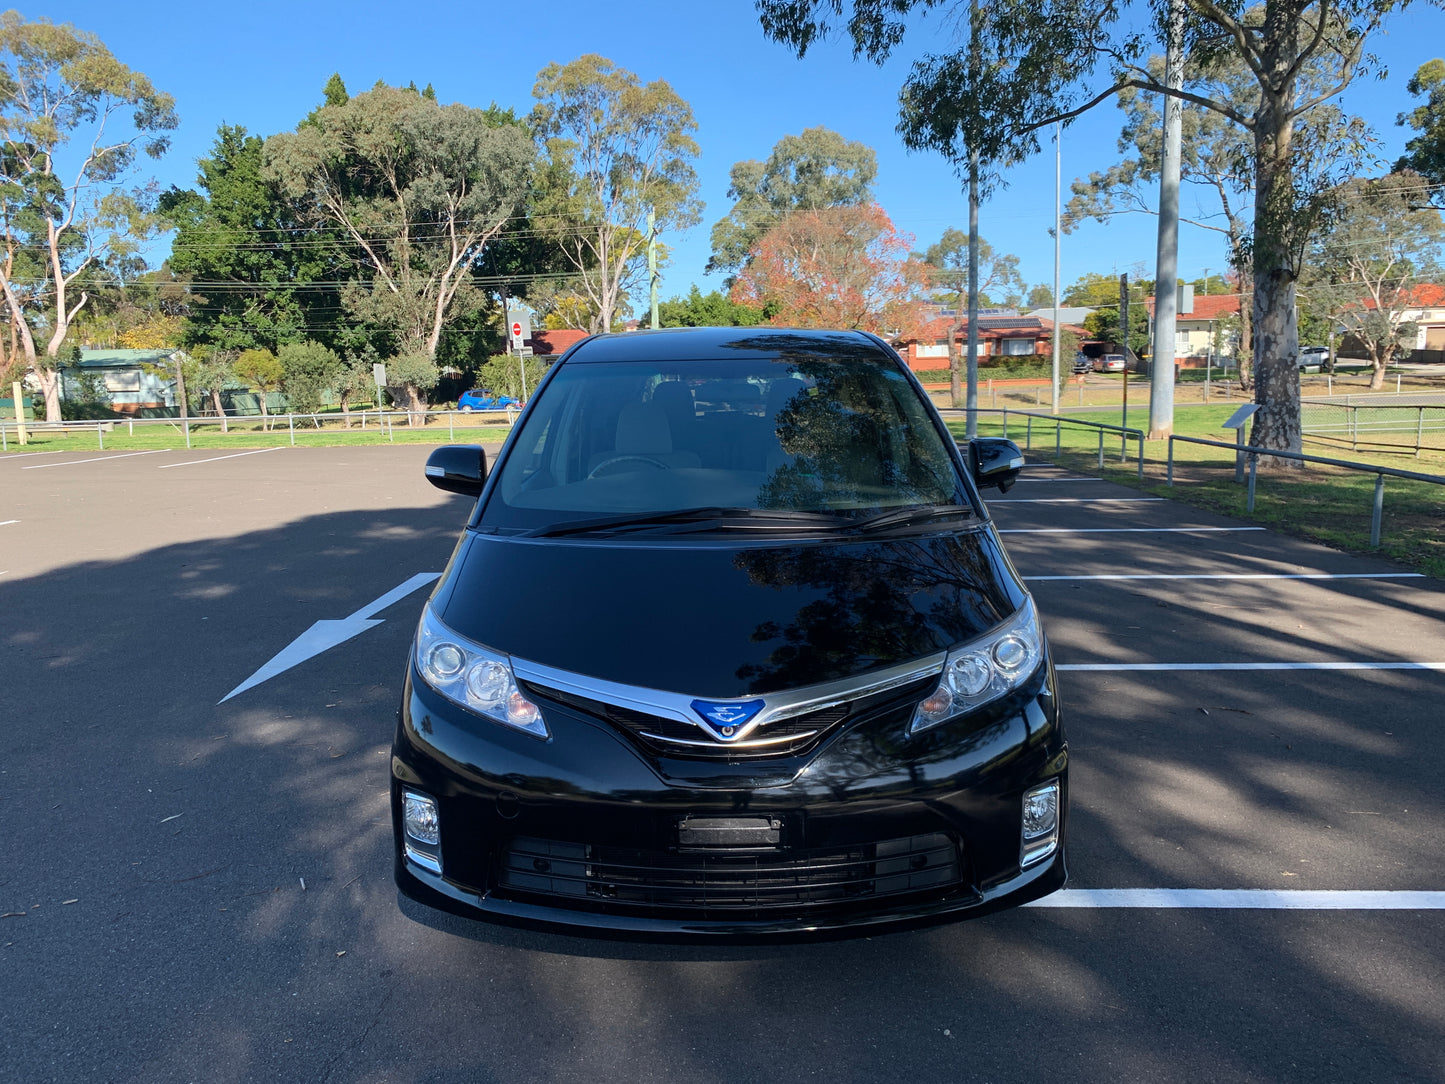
(994, 462)
(458, 468)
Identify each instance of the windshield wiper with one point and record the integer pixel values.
(918, 513)
(712, 514)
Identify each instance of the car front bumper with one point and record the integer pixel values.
(588, 832)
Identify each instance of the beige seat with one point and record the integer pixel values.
(643, 435)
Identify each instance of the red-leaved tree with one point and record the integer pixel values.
(836, 267)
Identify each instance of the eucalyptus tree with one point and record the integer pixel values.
(616, 152)
(1425, 153)
(73, 122)
(1028, 64)
(1216, 157)
(806, 172)
(946, 266)
(1366, 270)
(417, 190)
(261, 276)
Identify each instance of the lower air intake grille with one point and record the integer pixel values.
(689, 882)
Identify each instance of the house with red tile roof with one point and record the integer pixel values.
(999, 336)
(1427, 312)
(1195, 331)
(552, 342)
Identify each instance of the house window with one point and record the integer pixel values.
(932, 350)
(122, 381)
(1182, 347)
(1016, 347)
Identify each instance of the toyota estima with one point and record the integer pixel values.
(762, 666)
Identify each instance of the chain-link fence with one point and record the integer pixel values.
(1406, 424)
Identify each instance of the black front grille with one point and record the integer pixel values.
(584, 875)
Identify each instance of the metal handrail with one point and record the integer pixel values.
(1368, 468)
(1126, 432)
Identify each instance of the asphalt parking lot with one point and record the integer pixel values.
(200, 659)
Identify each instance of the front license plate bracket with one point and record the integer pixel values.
(730, 833)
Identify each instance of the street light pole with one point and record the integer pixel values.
(1166, 280)
(1058, 188)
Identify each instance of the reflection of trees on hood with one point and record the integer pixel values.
(881, 604)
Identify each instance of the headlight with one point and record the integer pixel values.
(473, 676)
(984, 670)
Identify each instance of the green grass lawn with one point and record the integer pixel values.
(1326, 504)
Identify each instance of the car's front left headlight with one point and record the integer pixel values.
(984, 670)
(474, 676)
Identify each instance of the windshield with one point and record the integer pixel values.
(846, 436)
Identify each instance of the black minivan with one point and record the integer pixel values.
(729, 647)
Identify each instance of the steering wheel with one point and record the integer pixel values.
(604, 466)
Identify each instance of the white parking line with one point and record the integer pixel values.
(1146, 667)
(1246, 899)
(215, 459)
(1063, 478)
(1073, 500)
(7, 522)
(97, 459)
(1122, 530)
(1241, 576)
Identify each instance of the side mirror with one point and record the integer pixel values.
(994, 462)
(458, 468)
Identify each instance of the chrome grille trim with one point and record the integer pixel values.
(758, 743)
(777, 706)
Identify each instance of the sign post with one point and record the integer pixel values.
(519, 330)
(378, 377)
(1237, 422)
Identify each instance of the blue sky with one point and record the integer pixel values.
(262, 64)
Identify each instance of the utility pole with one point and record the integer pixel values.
(1166, 277)
(652, 262)
(1124, 330)
(970, 401)
(1058, 189)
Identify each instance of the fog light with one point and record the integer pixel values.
(1040, 822)
(421, 821)
(422, 827)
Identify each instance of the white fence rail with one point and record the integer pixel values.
(361, 421)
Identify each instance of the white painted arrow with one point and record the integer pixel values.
(324, 635)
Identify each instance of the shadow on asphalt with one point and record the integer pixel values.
(203, 891)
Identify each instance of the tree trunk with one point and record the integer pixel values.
(265, 423)
(220, 409)
(346, 408)
(1378, 364)
(955, 377)
(181, 392)
(1276, 335)
(415, 403)
(49, 387)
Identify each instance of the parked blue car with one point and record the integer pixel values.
(482, 399)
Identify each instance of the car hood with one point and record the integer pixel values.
(722, 620)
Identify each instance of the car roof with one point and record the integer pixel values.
(691, 343)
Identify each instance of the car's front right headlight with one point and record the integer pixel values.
(474, 676)
(984, 670)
